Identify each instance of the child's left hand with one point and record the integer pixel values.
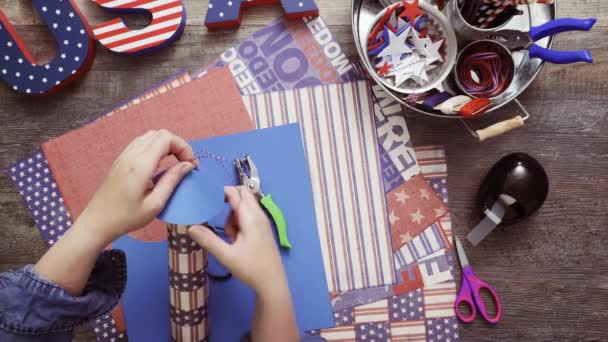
(128, 199)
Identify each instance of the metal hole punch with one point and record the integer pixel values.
(249, 176)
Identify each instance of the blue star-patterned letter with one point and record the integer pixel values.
(76, 50)
(227, 13)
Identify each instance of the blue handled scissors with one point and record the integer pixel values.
(518, 40)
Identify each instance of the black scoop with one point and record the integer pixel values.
(519, 176)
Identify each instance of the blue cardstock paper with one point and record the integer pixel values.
(146, 297)
(279, 156)
(198, 197)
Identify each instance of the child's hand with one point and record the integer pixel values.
(128, 199)
(253, 256)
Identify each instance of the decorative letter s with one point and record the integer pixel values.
(168, 23)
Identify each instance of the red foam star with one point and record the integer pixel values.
(411, 11)
(384, 69)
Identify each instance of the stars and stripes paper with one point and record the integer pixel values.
(439, 300)
(407, 307)
(167, 25)
(431, 240)
(426, 299)
(36, 184)
(413, 316)
(398, 165)
(105, 330)
(408, 271)
(412, 207)
(442, 330)
(414, 331)
(344, 317)
(338, 132)
(75, 50)
(373, 312)
(432, 162)
(377, 331)
(421, 315)
(228, 13)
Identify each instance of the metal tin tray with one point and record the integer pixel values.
(526, 69)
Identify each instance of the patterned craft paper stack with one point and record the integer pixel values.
(423, 312)
(421, 226)
(396, 282)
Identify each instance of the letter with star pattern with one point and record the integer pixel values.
(75, 53)
(228, 13)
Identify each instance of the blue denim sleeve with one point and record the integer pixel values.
(33, 308)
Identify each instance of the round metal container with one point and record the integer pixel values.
(526, 69)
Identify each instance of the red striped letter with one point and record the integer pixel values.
(168, 22)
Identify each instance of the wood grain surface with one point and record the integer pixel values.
(550, 271)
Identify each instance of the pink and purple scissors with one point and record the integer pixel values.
(470, 292)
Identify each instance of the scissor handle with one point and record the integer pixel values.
(561, 25)
(476, 285)
(560, 57)
(278, 218)
(465, 296)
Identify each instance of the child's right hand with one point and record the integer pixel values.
(253, 257)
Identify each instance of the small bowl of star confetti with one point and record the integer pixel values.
(411, 47)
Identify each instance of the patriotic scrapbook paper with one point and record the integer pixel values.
(36, 184)
(397, 165)
(47, 206)
(311, 36)
(287, 54)
(77, 178)
(412, 207)
(102, 140)
(338, 131)
(421, 313)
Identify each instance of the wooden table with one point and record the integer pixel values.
(551, 271)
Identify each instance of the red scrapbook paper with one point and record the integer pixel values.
(206, 107)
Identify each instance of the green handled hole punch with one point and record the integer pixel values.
(248, 173)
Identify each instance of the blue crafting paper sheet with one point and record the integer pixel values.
(279, 156)
(146, 298)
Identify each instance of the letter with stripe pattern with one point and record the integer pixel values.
(167, 25)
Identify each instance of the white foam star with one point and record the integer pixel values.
(396, 45)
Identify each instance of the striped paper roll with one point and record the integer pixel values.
(189, 289)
